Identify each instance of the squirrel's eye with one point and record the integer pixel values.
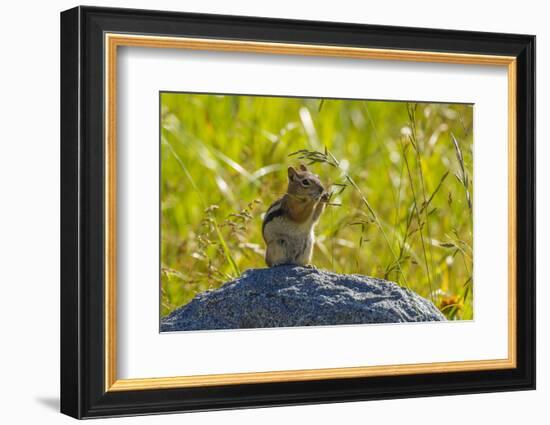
(305, 182)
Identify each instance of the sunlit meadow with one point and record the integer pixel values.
(400, 175)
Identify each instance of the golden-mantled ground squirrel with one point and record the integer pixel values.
(288, 225)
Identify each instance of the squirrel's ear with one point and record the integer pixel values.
(291, 173)
(303, 167)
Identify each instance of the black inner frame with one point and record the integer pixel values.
(82, 212)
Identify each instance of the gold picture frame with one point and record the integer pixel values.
(114, 41)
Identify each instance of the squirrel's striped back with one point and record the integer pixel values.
(275, 210)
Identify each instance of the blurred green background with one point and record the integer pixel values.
(400, 173)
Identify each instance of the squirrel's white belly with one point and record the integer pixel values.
(288, 227)
(288, 242)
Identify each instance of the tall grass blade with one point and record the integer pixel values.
(221, 239)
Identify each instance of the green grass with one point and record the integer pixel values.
(400, 173)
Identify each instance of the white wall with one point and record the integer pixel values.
(29, 224)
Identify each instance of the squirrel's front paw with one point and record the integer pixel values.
(325, 197)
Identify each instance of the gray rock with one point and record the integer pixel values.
(287, 295)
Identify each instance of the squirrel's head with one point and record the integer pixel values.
(304, 184)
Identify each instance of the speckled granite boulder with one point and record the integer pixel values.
(286, 296)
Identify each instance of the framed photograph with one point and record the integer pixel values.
(261, 212)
